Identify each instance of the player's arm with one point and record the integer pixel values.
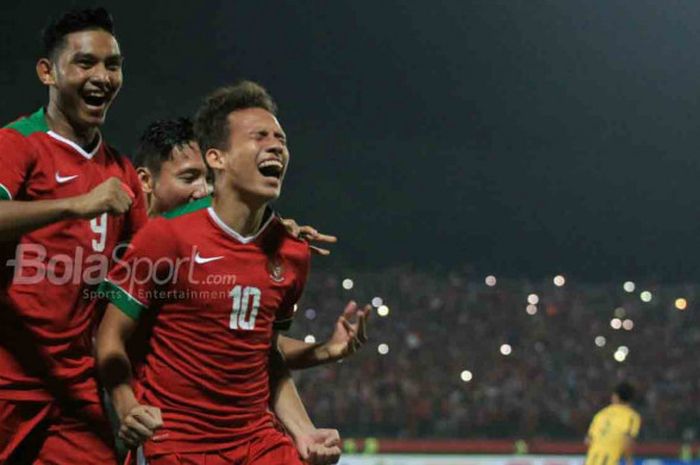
(138, 422)
(349, 334)
(317, 446)
(19, 217)
(310, 234)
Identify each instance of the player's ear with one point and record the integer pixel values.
(148, 182)
(44, 71)
(214, 159)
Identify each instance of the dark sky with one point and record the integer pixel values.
(521, 138)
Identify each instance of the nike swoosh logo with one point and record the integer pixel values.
(64, 179)
(201, 260)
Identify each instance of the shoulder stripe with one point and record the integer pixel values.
(5, 193)
(204, 202)
(127, 303)
(30, 124)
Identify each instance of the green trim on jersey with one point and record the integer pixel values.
(204, 202)
(5, 193)
(121, 299)
(36, 122)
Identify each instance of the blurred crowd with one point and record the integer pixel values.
(455, 357)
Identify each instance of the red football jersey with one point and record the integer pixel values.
(216, 298)
(47, 309)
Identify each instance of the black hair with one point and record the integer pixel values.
(75, 20)
(625, 391)
(159, 139)
(211, 122)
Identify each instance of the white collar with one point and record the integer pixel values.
(76, 147)
(231, 232)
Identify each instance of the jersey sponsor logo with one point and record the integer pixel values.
(64, 179)
(275, 269)
(202, 260)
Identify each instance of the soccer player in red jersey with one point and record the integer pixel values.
(68, 200)
(221, 281)
(173, 174)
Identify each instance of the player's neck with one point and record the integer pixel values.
(238, 215)
(60, 124)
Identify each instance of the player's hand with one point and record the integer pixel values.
(112, 196)
(350, 331)
(309, 234)
(321, 446)
(139, 424)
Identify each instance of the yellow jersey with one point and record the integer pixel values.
(609, 433)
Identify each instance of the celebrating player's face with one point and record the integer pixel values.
(257, 156)
(181, 179)
(86, 76)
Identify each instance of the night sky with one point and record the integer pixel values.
(520, 138)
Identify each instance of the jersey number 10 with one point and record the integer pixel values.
(244, 297)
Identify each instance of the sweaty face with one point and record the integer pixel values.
(182, 179)
(87, 72)
(257, 157)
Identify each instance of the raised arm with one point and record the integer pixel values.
(317, 446)
(20, 217)
(349, 334)
(138, 422)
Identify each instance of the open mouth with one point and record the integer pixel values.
(271, 168)
(95, 100)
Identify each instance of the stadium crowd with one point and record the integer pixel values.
(455, 357)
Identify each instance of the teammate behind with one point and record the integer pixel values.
(68, 199)
(614, 429)
(222, 279)
(173, 174)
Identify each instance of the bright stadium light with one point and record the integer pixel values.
(506, 349)
(629, 287)
(646, 296)
(531, 309)
(559, 280)
(681, 303)
(383, 349)
(616, 323)
(377, 302)
(466, 376)
(383, 310)
(533, 299)
(619, 356)
(296, 307)
(600, 341)
(348, 284)
(620, 312)
(310, 339)
(490, 280)
(628, 325)
(624, 349)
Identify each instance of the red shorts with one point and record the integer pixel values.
(268, 447)
(41, 433)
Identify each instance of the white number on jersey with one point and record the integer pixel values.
(243, 297)
(99, 226)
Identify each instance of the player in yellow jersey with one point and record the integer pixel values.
(614, 429)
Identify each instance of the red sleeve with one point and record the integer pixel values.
(138, 214)
(17, 157)
(135, 281)
(285, 313)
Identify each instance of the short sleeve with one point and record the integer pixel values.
(134, 283)
(17, 157)
(285, 313)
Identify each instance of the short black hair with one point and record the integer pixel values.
(211, 122)
(159, 139)
(74, 20)
(625, 391)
